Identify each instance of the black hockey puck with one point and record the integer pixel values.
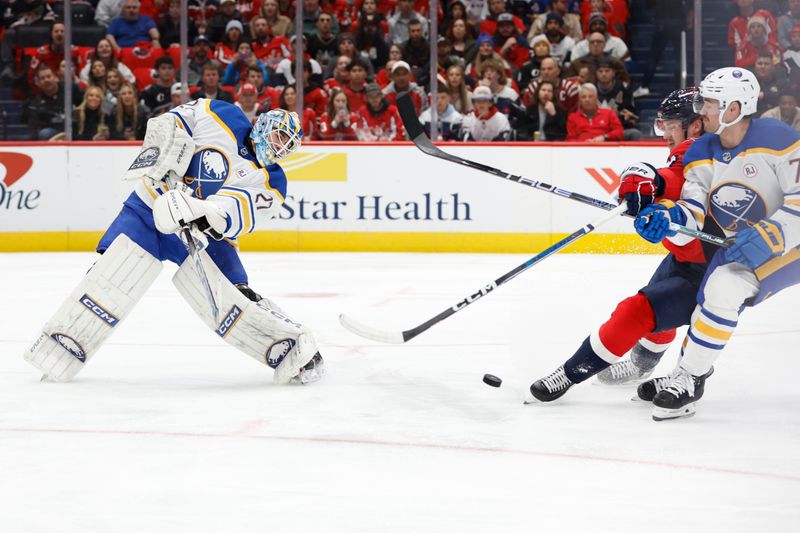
(492, 381)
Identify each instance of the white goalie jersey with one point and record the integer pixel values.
(224, 169)
(760, 178)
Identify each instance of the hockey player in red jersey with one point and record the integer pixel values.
(644, 323)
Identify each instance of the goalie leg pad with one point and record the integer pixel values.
(258, 328)
(111, 288)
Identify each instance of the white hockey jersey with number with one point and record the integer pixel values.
(224, 168)
(758, 179)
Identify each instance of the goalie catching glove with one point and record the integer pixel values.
(640, 185)
(176, 209)
(166, 152)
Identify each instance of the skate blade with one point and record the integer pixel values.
(660, 414)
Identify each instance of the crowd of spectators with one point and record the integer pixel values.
(507, 69)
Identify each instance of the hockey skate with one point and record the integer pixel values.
(648, 390)
(639, 367)
(678, 396)
(549, 388)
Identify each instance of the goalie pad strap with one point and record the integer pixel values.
(111, 288)
(259, 329)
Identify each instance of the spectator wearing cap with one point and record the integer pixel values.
(618, 97)
(597, 44)
(371, 42)
(614, 45)
(486, 46)
(756, 43)
(218, 25)
(399, 22)
(592, 123)
(737, 27)
(128, 119)
(284, 72)
(175, 95)
(791, 57)
(236, 70)
(417, 52)
(356, 88)
(247, 101)
(379, 119)
(566, 94)
(509, 42)
(338, 122)
(786, 22)
(531, 69)
(156, 96)
(463, 45)
(771, 79)
(169, 27)
(448, 119)
(199, 57)
(444, 56)
(492, 75)
(561, 45)
(311, 12)
(226, 50)
(401, 83)
(209, 86)
(132, 28)
(485, 123)
(288, 100)
(278, 25)
(571, 26)
(786, 110)
(322, 44)
(270, 49)
(497, 8)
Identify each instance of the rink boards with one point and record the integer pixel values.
(344, 197)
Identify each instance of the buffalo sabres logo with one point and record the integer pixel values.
(211, 169)
(276, 353)
(70, 345)
(726, 157)
(146, 158)
(734, 204)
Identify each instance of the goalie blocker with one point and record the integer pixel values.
(118, 280)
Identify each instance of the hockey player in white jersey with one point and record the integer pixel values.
(204, 177)
(746, 175)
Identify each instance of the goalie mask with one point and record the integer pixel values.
(275, 135)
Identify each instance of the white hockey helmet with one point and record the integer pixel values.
(728, 85)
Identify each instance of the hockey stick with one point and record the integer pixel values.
(399, 337)
(191, 246)
(417, 134)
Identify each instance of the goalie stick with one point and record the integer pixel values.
(399, 337)
(194, 252)
(417, 134)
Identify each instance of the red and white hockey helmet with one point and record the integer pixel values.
(728, 85)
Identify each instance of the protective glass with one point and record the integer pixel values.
(662, 126)
(699, 103)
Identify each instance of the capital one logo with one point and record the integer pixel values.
(606, 178)
(13, 166)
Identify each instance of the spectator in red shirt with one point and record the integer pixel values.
(356, 88)
(270, 49)
(226, 50)
(50, 54)
(401, 82)
(314, 97)
(591, 123)
(737, 28)
(341, 74)
(379, 119)
(756, 42)
(265, 95)
(510, 42)
(497, 8)
(338, 122)
(247, 101)
(566, 88)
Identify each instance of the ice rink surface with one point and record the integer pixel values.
(169, 429)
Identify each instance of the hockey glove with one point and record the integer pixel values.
(756, 245)
(653, 221)
(175, 209)
(640, 185)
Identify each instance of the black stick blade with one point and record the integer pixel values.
(409, 116)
